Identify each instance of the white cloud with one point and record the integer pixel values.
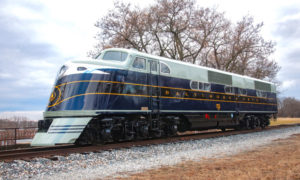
(35, 63)
(5, 75)
(24, 13)
(70, 25)
(288, 84)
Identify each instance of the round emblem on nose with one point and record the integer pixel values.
(52, 97)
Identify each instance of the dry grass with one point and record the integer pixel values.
(280, 160)
(285, 121)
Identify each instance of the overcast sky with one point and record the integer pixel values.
(37, 37)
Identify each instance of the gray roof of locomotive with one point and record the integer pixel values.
(194, 72)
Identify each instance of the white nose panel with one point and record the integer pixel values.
(61, 131)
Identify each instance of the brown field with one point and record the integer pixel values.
(279, 160)
(285, 121)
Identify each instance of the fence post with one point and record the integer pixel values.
(15, 136)
(8, 138)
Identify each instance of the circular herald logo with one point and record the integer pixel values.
(53, 96)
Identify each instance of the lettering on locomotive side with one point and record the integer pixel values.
(218, 106)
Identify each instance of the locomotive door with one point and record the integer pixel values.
(154, 90)
(238, 97)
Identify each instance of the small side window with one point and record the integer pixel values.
(194, 85)
(139, 63)
(229, 89)
(258, 93)
(204, 86)
(207, 87)
(242, 91)
(201, 86)
(261, 94)
(164, 68)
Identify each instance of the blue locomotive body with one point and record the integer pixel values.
(141, 96)
(124, 90)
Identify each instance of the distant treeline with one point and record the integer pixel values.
(288, 107)
(17, 122)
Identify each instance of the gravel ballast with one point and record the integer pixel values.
(115, 163)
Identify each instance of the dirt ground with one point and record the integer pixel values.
(279, 160)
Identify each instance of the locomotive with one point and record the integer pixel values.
(124, 94)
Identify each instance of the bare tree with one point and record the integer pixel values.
(17, 122)
(289, 107)
(180, 30)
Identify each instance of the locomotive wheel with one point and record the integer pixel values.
(156, 134)
(117, 134)
(253, 123)
(86, 138)
(143, 131)
(247, 123)
(263, 122)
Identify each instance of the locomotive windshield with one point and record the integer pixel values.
(115, 56)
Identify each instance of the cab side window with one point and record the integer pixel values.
(164, 68)
(139, 63)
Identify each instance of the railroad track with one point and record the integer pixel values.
(64, 150)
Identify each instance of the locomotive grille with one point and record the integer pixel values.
(219, 78)
(262, 86)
